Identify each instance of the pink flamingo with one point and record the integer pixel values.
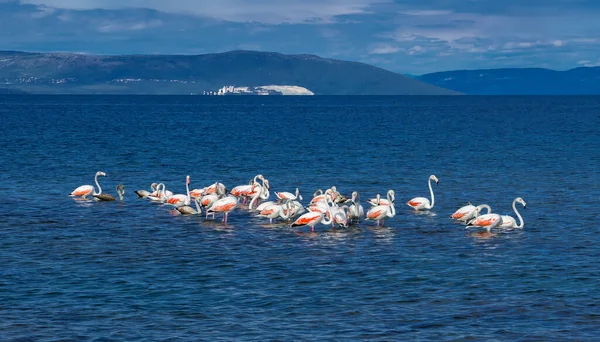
(422, 203)
(85, 190)
(224, 205)
(179, 199)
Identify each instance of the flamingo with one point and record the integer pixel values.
(509, 221)
(337, 213)
(319, 195)
(145, 193)
(355, 210)
(179, 199)
(380, 212)
(276, 210)
(464, 213)
(284, 195)
(85, 190)
(197, 193)
(161, 194)
(242, 190)
(421, 203)
(259, 192)
(208, 200)
(312, 218)
(107, 197)
(224, 205)
(187, 210)
(320, 202)
(487, 221)
(296, 209)
(216, 188)
(382, 201)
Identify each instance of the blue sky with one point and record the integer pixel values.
(406, 36)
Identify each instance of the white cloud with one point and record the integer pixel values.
(427, 13)
(383, 49)
(110, 27)
(263, 11)
(558, 43)
(587, 63)
(416, 50)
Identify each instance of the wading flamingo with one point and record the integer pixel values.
(487, 221)
(284, 195)
(107, 197)
(145, 193)
(179, 199)
(464, 213)
(509, 221)
(224, 205)
(85, 190)
(355, 210)
(422, 203)
(380, 212)
(187, 210)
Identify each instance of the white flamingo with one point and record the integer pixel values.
(380, 212)
(180, 199)
(487, 221)
(224, 205)
(276, 210)
(284, 195)
(464, 213)
(422, 203)
(355, 210)
(85, 190)
(509, 221)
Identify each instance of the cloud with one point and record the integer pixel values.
(416, 50)
(263, 11)
(408, 36)
(383, 49)
(109, 27)
(587, 63)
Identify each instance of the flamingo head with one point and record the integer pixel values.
(520, 200)
(187, 180)
(100, 173)
(434, 178)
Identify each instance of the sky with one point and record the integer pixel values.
(405, 36)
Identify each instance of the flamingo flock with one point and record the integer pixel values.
(327, 207)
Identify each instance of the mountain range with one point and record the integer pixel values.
(69, 73)
(527, 81)
(184, 74)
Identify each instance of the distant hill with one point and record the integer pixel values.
(528, 81)
(9, 91)
(69, 73)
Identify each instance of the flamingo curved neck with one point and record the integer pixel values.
(163, 192)
(521, 223)
(432, 196)
(187, 189)
(285, 215)
(98, 185)
(325, 219)
(197, 203)
(256, 196)
(392, 207)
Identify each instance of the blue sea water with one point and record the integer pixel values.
(134, 270)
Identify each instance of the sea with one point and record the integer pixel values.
(133, 270)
